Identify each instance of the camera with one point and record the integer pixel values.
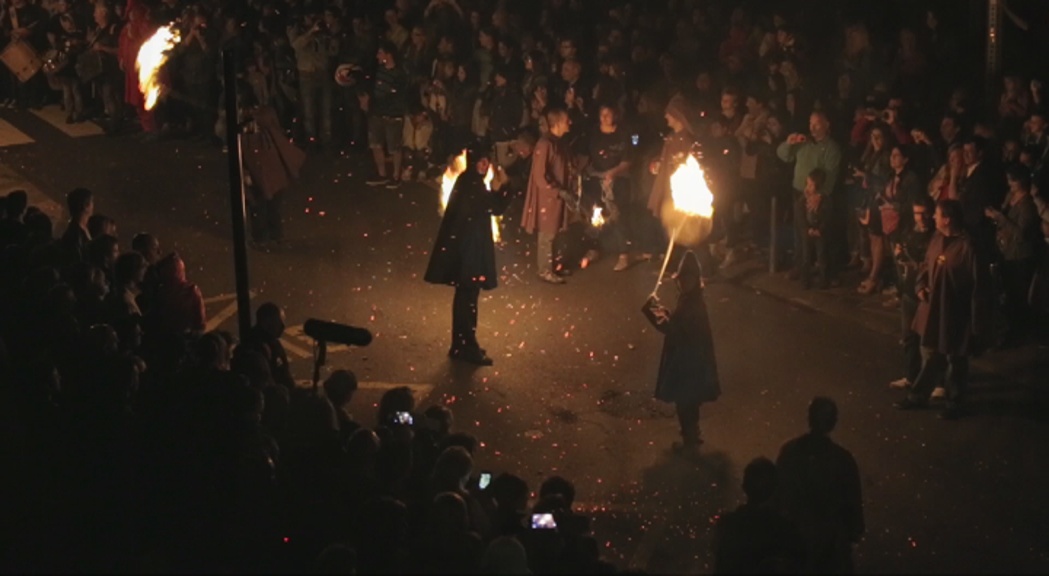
(403, 418)
(543, 522)
(484, 480)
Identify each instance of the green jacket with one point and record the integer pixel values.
(810, 155)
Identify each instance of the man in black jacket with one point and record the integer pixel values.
(464, 253)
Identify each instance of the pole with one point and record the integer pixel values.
(993, 55)
(666, 258)
(772, 237)
(236, 192)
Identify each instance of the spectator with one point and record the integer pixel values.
(340, 388)
(952, 307)
(806, 155)
(819, 490)
(418, 145)
(909, 255)
(81, 205)
(265, 339)
(1018, 240)
(386, 107)
(755, 537)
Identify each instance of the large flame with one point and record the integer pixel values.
(689, 189)
(151, 57)
(456, 167)
(596, 219)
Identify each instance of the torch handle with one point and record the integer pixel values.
(666, 259)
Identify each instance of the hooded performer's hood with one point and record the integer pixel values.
(679, 108)
(689, 271)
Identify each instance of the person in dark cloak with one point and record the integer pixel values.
(688, 372)
(464, 253)
(271, 164)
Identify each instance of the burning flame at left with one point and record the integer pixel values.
(151, 57)
(451, 174)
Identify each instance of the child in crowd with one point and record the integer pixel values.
(418, 133)
(816, 219)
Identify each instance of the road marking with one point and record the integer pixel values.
(297, 333)
(295, 349)
(11, 136)
(12, 180)
(55, 116)
(220, 298)
(224, 314)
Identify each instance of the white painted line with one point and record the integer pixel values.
(297, 333)
(224, 297)
(223, 315)
(55, 116)
(11, 136)
(294, 349)
(12, 180)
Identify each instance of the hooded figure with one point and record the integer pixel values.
(675, 147)
(688, 372)
(272, 162)
(464, 252)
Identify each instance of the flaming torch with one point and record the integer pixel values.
(692, 198)
(448, 179)
(151, 57)
(597, 220)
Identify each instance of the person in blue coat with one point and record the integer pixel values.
(464, 253)
(688, 372)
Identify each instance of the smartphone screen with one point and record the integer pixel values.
(484, 480)
(543, 522)
(403, 418)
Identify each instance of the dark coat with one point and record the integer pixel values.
(955, 316)
(464, 252)
(688, 371)
(819, 490)
(270, 159)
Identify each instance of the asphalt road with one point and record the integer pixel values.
(570, 392)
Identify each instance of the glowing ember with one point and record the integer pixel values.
(597, 220)
(151, 57)
(689, 189)
(451, 174)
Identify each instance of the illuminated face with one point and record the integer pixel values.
(607, 117)
(818, 126)
(921, 219)
(897, 160)
(877, 139)
(943, 223)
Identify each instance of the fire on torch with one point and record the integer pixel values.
(692, 198)
(151, 58)
(451, 174)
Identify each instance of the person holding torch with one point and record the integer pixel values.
(688, 371)
(464, 253)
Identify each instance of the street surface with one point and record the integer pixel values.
(570, 392)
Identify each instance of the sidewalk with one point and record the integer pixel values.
(1027, 366)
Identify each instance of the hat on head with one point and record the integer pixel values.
(689, 271)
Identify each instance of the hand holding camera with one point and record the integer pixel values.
(796, 138)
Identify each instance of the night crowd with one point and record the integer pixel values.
(138, 441)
